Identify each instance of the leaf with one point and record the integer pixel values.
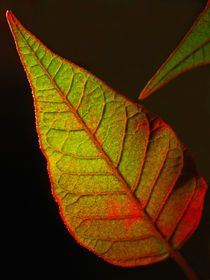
(193, 51)
(127, 189)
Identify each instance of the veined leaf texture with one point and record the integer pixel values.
(126, 187)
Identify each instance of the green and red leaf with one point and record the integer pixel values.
(127, 189)
(193, 51)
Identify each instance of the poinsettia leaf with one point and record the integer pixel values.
(127, 189)
(193, 51)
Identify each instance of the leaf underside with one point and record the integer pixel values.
(127, 189)
(193, 51)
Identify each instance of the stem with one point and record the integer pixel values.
(179, 259)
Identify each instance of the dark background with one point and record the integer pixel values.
(123, 42)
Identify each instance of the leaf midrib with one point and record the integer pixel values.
(171, 251)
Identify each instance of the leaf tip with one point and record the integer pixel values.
(145, 92)
(142, 96)
(9, 14)
(11, 18)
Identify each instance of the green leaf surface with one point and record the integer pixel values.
(193, 51)
(127, 189)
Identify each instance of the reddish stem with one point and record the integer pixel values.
(179, 259)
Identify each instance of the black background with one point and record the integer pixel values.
(123, 42)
